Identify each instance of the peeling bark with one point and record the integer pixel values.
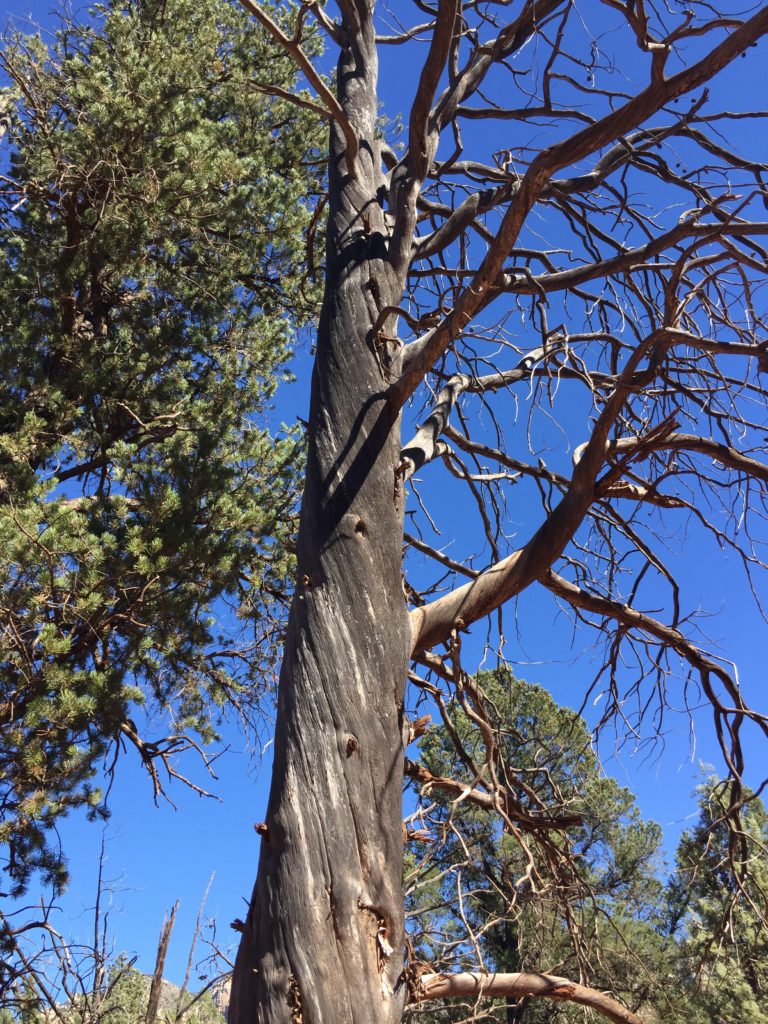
(542, 986)
(323, 940)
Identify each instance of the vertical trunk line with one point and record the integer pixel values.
(324, 936)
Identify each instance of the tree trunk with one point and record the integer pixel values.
(323, 940)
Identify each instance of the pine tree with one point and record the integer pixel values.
(152, 276)
(719, 907)
(591, 908)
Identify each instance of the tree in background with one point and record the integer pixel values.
(719, 916)
(153, 209)
(691, 949)
(123, 998)
(562, 277)
(475, 890)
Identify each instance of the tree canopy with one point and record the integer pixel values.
(721, 915)
(153, 213)
(683, 943)
(476, 887)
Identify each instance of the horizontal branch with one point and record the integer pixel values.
(718, 348)
(478, 203)
(628, 259)
(727, 456)
(523, 113)
(503, 801)
(519, 986)
(472, 447)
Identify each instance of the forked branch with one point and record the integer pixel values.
(292, 47)
(487, 281)
(527, 820)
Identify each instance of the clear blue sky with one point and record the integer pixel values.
(156, 855)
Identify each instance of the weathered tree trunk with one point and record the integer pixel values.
(156, 988)
(323, 939)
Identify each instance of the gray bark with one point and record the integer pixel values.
(323, 939)
(156, 988)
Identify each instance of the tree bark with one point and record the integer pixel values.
(323, 940)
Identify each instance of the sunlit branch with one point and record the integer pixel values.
(517, 986)
(423, 446)
(672, 638)
(485, 451)
(726, 455)
(475, 205)
(728, 717)
(624, 261)
(501, 801)
(303, 62)
(434, 622)
(407, 179)
(523, 113)
(424, 352)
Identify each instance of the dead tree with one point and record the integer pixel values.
(49, 977)
(571, 233)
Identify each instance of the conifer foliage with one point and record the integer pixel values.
(686, 947)
(153, 207)
(584, 899)
(719, 917)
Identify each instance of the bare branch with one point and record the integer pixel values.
(499, 801)
(516, 986)
(423, 446)
(332, 105)
(485, 282)
(422, 137)
(726, 455)
(434, 622)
